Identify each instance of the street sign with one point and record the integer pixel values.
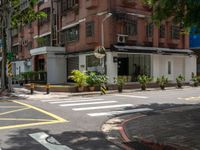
(100, 52)
(10, 56)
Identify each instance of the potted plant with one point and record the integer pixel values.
(162, 81)
(195, 81)
(79, 78)
(144, 80)
(102, 80)
(92, 80)
(179, 81)
(120, 81)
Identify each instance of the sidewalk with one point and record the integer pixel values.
(25, 93)
(174, 129)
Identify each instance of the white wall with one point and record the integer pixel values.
(181, 64)
(190, 66)
(111, 67)
(56, 69)
(20, 67)
(82, 62)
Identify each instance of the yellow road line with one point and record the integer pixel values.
(11, 106)
(28, 125)
(12, 111)
(24, 119)
(42, 111)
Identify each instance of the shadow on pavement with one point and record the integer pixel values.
(76, 140)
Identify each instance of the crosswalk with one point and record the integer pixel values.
(96, 107)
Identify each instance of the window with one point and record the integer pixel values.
(90, 29)
(162, 31)
(30, 45)
(15, 49)
(149, 30)
(67, 5)
(72, 34)
(130, 28)
(44, 41)
(93, 64)
(175, 32)
(169, 68)
(46, 19)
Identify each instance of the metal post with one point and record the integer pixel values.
(32, 88)
(48, 88)
(102, 37)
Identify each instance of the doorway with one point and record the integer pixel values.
(123, 66)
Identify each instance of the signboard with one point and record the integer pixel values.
(100, 52)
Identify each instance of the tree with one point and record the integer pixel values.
(14, 14)
(183, 12)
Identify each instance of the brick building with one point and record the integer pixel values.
(66, 40)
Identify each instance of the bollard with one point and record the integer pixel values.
(32, 88)
(48, 88)
(103, 89)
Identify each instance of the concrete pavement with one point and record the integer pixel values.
(87, 114)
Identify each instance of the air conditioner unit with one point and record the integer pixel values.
(121, 38)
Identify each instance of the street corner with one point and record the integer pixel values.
(15, 114)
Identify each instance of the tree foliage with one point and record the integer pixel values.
(183, 12)
(25, 16)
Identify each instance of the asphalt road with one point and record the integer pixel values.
(75, 122)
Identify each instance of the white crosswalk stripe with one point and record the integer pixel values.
(91, 103)
(102, 107)
(119, 112)
(131, 96)
(76, 101)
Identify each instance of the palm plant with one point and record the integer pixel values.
(179, 81)
(144, 80)
(162, 82)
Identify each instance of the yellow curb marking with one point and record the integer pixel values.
(43, 121)
(11, 106)
(24, 119)
(12, 111)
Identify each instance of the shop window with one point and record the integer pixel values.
(130, 28)
(149, 30)
(175, 32)
(71, 34)
(90, 29)
(162, 31)
(93, 64)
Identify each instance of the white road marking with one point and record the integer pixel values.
(131, 96)
(91, 103)
(102, 107)
(119, 112)
(49, 142)
(75, 101)
(56, 100)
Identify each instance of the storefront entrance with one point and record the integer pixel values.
(133, 65)
(123, 66)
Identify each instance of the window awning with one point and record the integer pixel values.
(140, 49)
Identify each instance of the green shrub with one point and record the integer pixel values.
(92, 79)
(79, 78)
(179, 81)
(120, 81)
(144, 80)
(162, 82)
